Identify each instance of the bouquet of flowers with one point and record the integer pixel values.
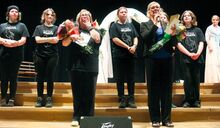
(66, 29)
(85, 47)
(180, 34)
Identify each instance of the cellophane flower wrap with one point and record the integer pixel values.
(180, 34)
(68, 28)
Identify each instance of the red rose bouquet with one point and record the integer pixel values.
(66, 29)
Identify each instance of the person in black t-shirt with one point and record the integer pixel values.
(13, 36)
(83, 54)
(124, 40)
(191, 48)
(46, 55)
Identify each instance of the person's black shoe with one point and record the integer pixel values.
(49, 102)
(174, 106)
(11, 103)
(168, 124)
(3, 103)
(177, 81)
(131, 102)
(155, 124)
(39, 102)
(196, 105)
(122, 102)
(186, 105)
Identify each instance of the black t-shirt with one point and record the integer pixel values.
(13, 31)
(194, 35)
(46, 49)
(80, 60)
(125, 32)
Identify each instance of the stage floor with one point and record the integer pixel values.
(37, 124)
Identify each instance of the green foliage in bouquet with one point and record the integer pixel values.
(180, 34)
(87, 49)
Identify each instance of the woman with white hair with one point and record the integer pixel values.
(83, 49)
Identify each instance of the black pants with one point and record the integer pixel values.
(45, 68)
(159, 84)
(83, 90)
(192, 82)
(124, 72)
(9, 72)
(178, 66)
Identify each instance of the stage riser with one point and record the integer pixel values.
(110, 88)
(111, 91)
(138, 115)
(111, 100)
(107, 103)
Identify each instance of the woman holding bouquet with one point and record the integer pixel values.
(83, 65)
(13, 35)
(46, 56)
(158, 66)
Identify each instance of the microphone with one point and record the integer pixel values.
(158, 19)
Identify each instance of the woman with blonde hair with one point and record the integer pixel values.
(159, 65)
(46, 56)
(83, 65)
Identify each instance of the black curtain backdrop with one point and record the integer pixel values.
(67, 9)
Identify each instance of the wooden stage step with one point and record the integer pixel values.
(106, 94)
(107, 103)
(107, 100)
(138, 115)
(66, 124)
(105, 88)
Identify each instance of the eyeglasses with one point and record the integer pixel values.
(47, 14)
(84, 14)
(187, 15)
(154, 7)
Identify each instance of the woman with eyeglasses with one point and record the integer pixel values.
(83, 49)
(159, 65)
(46, 56)
(13, 35)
